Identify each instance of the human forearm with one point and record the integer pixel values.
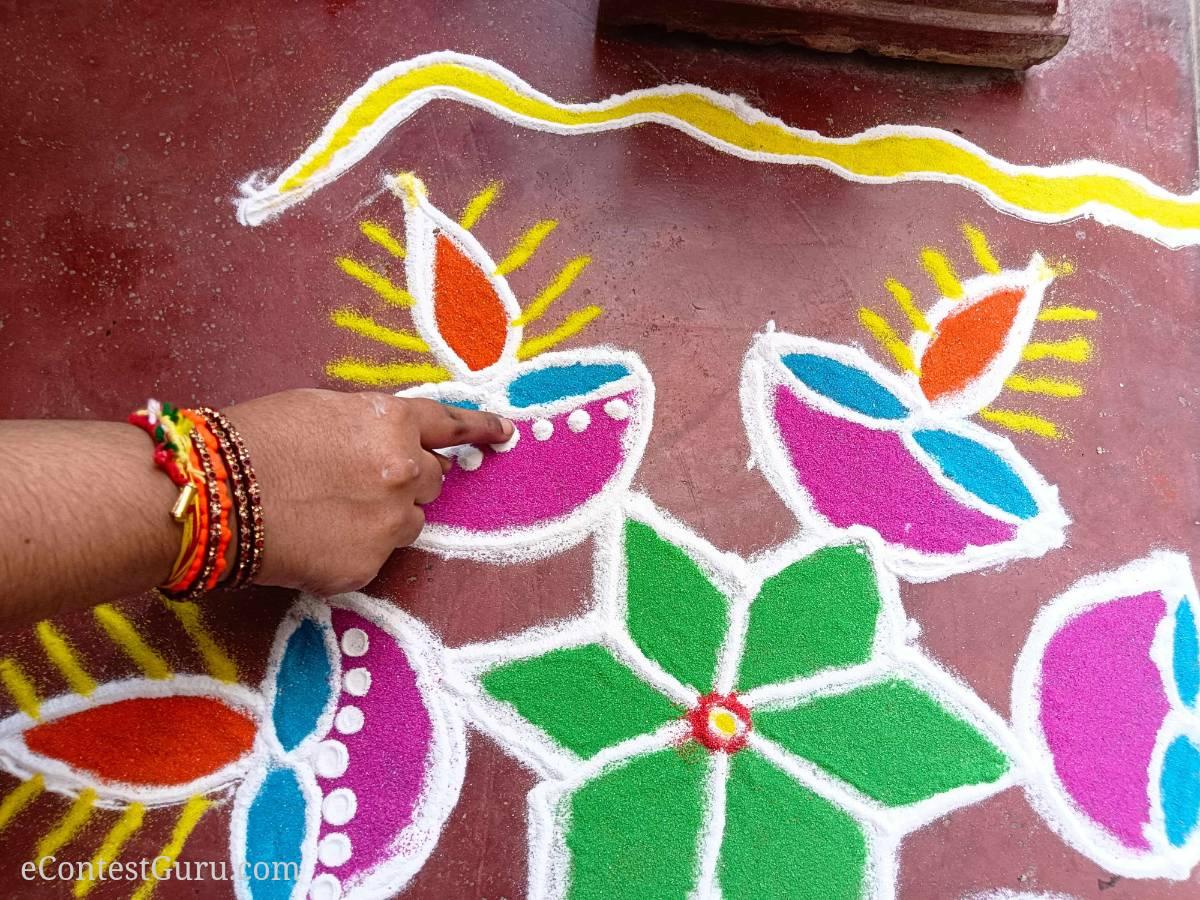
(84, 517)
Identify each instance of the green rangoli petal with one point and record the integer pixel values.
(635, 830)
(675, 615)
(816, 613)
(782, 840)
(583, 697)
(890, 740)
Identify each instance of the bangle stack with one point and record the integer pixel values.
(202, 453)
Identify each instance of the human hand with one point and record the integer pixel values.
(343, 478)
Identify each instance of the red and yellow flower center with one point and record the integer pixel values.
(720, 722)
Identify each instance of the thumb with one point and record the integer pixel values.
(445, 426)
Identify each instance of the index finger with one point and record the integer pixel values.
(445, 426)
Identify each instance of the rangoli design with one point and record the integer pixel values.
(885, 154)
(582, 417)
(718, 726)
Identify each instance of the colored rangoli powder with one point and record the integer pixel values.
(1102, 705)
(148, 740)
(967, 342)
(470, 316)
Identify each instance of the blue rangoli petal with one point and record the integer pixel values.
(846, 385)
(980, 470)
(1180, 783)
(275, 826)
(301, 685)
(1185, 659)
(556, 382)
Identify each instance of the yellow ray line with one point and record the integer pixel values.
(394, 295)
(20, 688)
(187, 821)
(360, 371)
(216, 660)
(1021, 421)
(942, 273)
(1077, 350)
(110, 848)
(551, 292)
(904, 299)
(879, 329)
(479, 204)
(380, 234)
(64, 659)
(572, 325)
(1067, 314)
(70, 824)
(122, 633)
(525, 246)
(980, 249)
(1051, 387)
(369, 328)
(19, 798)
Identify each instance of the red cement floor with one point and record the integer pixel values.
(126, 129)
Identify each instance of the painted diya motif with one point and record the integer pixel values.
(582, 417)
(1105, 695)
(362, 760)
(846, 442)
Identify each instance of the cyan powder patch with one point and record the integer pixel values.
(302, 685)
(556, 382)
(979, 470)
(1181, 790)
(846, 385)
(275, 834)
(1185, 656)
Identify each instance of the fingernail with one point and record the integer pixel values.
(509, 427)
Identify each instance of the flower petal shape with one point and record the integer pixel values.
(582, 420)
(142, 740)
(276, 831)
(890, 740)
(1185, 655)
(782, 840)
(847, 443)
(1099, 696)
(380, 770)
(582, 697)
(814, 614)
(1180, 790)
(301, 688)
(674, 613)
(634, 829)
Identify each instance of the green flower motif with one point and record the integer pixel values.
(717, 726)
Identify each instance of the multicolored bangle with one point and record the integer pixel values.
(204, 455)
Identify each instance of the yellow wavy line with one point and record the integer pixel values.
(1111, 194)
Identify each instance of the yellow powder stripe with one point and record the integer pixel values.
(369, 328)
(216, 660)
(980, 249)
(64, 659)
(551, 292)
(1067, 314)
(1051, 387)
(479, 204)
(879, 329)
(359, 371)
(904, 299)
(394, 295)
(19, 798)
(110, 848)
(380, 234)
(525, 246)
(70, 824)
(942, 273)
(122, 633)
(571, 326)
(887, 154)
(20, 688)
(1076, 350)
(193, 810)
(1021, 421)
